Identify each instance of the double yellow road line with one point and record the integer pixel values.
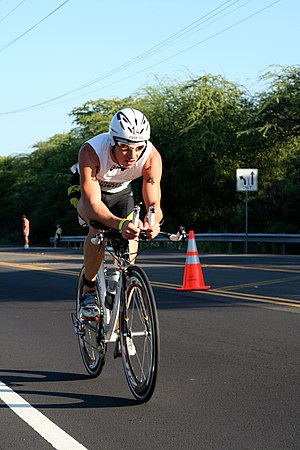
(228, 291)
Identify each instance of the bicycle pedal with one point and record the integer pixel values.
(91, 319)
(76, 326)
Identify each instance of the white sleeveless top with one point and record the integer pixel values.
(111, 178)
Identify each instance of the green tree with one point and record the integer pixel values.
(94, 116)
(277, 120)
(196, 126)
(205, 128)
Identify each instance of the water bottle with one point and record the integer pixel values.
(111, 289)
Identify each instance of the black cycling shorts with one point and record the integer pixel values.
(121, 203)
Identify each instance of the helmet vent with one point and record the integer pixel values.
(130, 124)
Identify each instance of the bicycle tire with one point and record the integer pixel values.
(140, 342)
(91, 342)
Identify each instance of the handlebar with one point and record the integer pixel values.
(136, 215)
(179, 236)
(106, 233)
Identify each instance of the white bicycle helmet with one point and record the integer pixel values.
(130, 125)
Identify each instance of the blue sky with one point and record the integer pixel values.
(45, 54)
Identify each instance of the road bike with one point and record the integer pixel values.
(132, 323)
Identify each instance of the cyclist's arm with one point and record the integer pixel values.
(152, 173)
(90, 205)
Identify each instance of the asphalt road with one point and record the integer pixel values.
(229, 373)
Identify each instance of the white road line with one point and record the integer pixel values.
(58, 438)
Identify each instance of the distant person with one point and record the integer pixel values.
(26, 230)
(57, 236)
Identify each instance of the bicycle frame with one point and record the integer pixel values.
(110, 316)
(132, 323)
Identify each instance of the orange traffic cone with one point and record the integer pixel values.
(193, 276)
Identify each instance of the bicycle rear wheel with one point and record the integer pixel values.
(90, 337)
(140, 342)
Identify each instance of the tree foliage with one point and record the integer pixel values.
(205, 128)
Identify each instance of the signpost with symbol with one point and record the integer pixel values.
(246, 181)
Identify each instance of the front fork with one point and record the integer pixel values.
(123, 329)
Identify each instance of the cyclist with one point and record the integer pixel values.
(107, 164)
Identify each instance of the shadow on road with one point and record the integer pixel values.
(17, 378)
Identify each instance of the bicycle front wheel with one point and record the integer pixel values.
(140, 342)
(91, 340)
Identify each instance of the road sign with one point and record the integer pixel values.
(246, 180)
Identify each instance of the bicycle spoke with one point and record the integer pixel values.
(92, 353)
(140, 332)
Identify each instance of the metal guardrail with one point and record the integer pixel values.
(230, 238)
(251, 237)
(69, 240)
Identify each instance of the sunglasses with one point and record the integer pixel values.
(125, 147)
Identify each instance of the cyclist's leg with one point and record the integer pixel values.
(120, 204)
(91, 343)
(93, 255)
(133, 250)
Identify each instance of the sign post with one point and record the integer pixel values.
(246, 180)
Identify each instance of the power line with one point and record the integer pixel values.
(42, 104)
(33, 26)
(136, 59)
(171, 40)
(12, 10)
(194, 29)
(174, 55)
(213, 35)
